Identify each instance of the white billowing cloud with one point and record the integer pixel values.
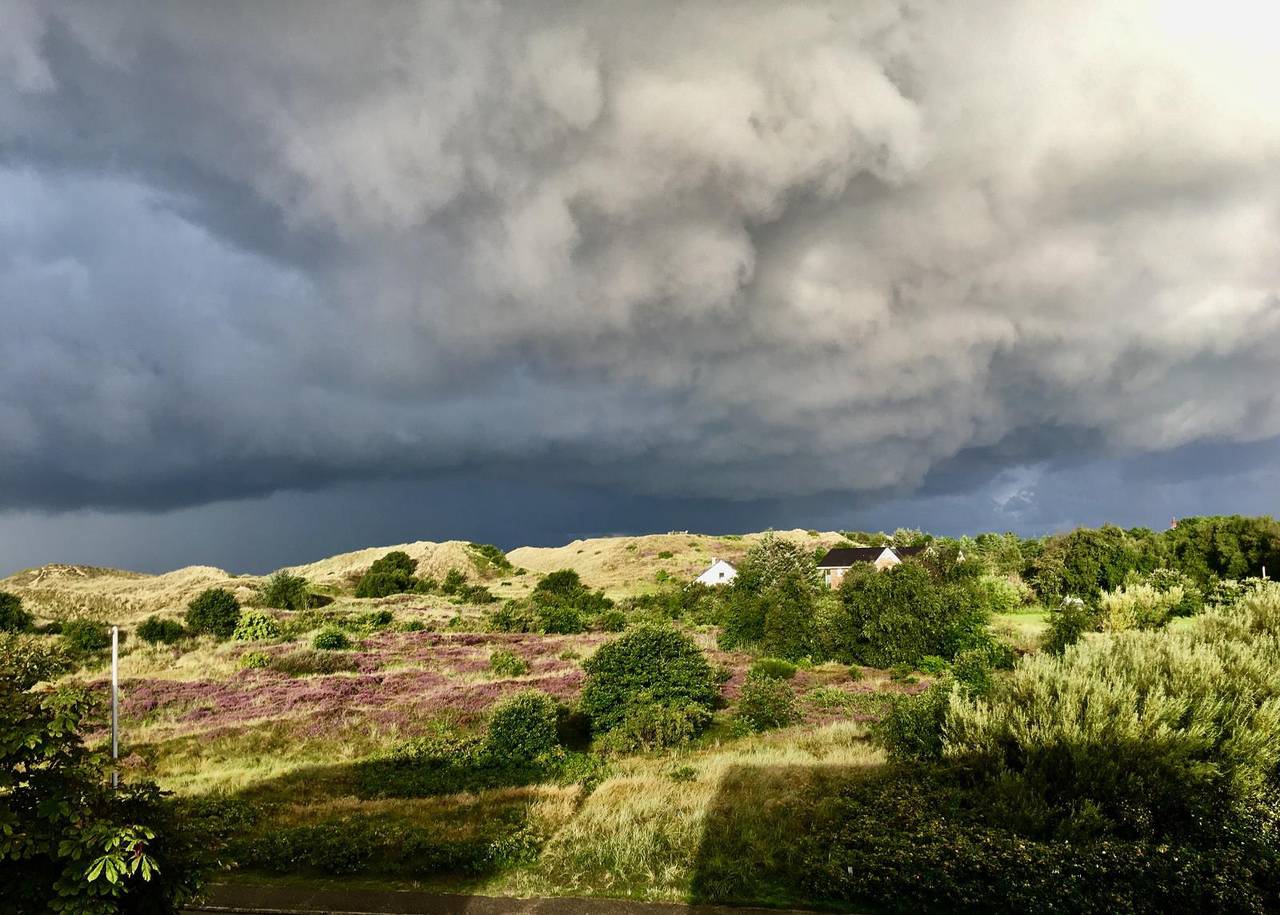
(772, 250)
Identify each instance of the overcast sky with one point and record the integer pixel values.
(279, 279)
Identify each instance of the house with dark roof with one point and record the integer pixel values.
(837, 562)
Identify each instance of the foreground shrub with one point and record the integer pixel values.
(69, 842)
(256, 626)
(86, 636)
(12, 617)
(330, 638)
(307, 662)
(523, 726)
(158, 630)
(776, 668)
(766, 703)
(285, 591)
(214, 611)
(910, 841)
(648, 665)
(1145, 734)
(506, 663)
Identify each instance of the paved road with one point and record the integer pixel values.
(295, 900)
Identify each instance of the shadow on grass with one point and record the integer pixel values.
(764, 838)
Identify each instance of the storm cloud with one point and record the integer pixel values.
(689, 250)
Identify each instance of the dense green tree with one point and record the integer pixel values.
(215, 611)
(1225, 546)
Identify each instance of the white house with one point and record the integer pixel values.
(720, 573)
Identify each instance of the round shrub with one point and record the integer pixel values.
(559, 619)
(506, 663)
(766, 703)
(286, 591)
(158, 630)
(255, 660)
(256, 626)
(523, 726)
(1068, 623)
(775, 668)
(86, 636)
(331, 638)
(215, 611)
(653, 664)
(12, 617)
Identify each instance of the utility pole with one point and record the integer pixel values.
(115, 706)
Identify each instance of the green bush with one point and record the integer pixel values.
(999, 594)
(611, 621)
(285, 591)
(1138, 606)
(904, 613)
(665, 554)
(523, 726)
(381, 584)
(426, 585)
(766, 703)
(933, 665)
(161, 630)
(778, 620)
(475, 594)
(911, 729)
(776, 668)
(560, 619)
(647, 726)
(369, 621)
(506, 663)
(330, 638)
(214, 611)
(453, 581)
(1068, 622)
(647, 665)
(86, 636)
(392, 574)
(513, 616)
(256, 626)
(255, 660)
(306, 662)
(12, 617)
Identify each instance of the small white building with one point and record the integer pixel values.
(720, 573)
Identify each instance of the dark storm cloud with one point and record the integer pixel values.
(805, 249)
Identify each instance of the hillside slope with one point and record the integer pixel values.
(620, 565)
(630, 564)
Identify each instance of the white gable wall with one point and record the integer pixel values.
(720, 573)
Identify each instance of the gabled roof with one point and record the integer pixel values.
(843, 557)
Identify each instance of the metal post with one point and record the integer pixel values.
(115, 705)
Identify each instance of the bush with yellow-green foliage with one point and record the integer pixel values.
(1141, 733)
(256, 626)
(1138, 606)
